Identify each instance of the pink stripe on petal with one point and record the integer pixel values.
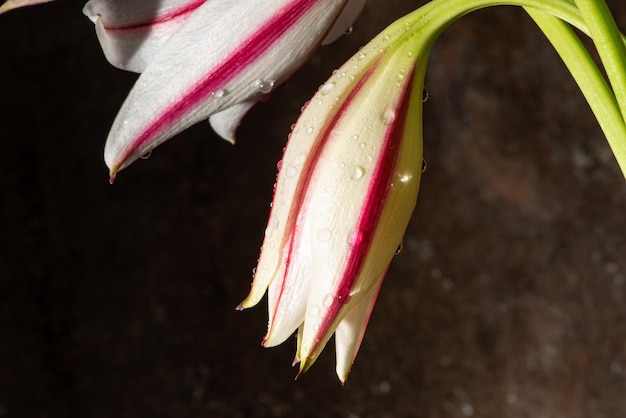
(296, 211)
(249, 51)
(380, 186)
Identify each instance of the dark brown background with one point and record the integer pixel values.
(118, 301)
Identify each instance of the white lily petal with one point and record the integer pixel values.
(132, 32)
(226, 122)
(362, 191)
(287, 295)
(344, 22)
(350, 331)
(270, 41)
(14, 4)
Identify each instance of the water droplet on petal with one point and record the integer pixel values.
(424, 165)
(300, 159)
(292, 171)
(357, 173)
(361, 57)
(327, 88)
(328, 301)
(309, 130)
(324, 235)
(362, 145)
(146, 154)
(344, 296)
(388, 116)
(266, 87)
(348, 31)
(263, 86)
(400, 248)
(219, 93)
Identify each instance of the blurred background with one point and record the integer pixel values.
(508, 299)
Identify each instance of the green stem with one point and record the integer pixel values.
(589, 79)
(593, 18)
(608, 41)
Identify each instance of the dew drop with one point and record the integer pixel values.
(357, 173)
(263, 86)
(292, 170)
(388, 116)
(309, 130)
(324, 235)
(327, 88)
(409, 54)
(424, 165)
(405, 178)
(361, 57)
(328, 301)
(348, 31)
(344, 297)
(219, 93)
(362, 145)
(400, 248)
(146, 155)
(299, 160)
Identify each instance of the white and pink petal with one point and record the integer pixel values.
(132, 32)
(270, 40)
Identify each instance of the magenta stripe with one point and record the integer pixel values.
(249, 51)
(373, 207)
(312, 159)
(174, 14)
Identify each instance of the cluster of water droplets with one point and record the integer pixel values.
(263, 86)
(219, 93)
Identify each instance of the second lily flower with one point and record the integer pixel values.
(344, 196)
(204, 59)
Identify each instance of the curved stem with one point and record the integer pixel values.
(608, 41)
(593, 19)
(589, 79)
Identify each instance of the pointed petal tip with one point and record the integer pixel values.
(251, 300)
(295, 361)
(113, 175)
(343, 377)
